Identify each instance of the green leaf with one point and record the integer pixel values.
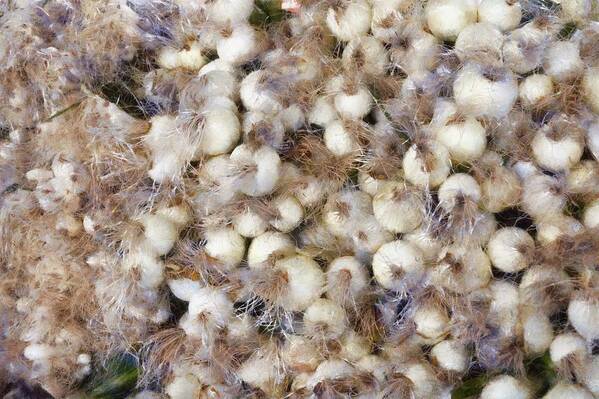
(120, 94)
(567, 31)
(462, 167)
(470, 388)
(266, 12)
(62, 111)
(541, 372)
(353, 177)
(115, 380)
(574, 209)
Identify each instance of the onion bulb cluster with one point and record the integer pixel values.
(301, 199)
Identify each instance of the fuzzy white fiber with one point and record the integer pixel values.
(317, 199)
